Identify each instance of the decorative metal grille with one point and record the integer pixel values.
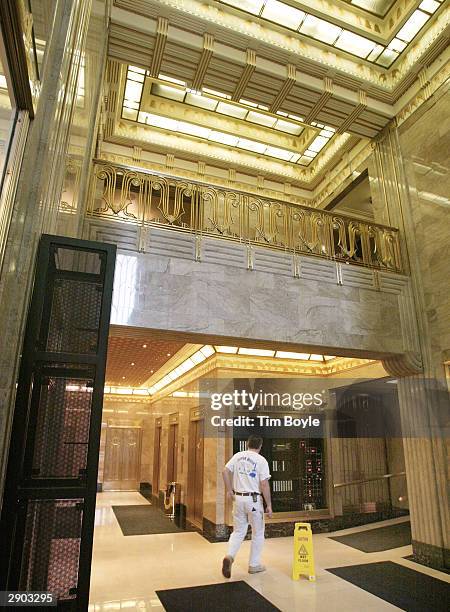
(146, 199)
(62, 429)
(51, 548)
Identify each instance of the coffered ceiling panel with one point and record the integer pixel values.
(222, 75)
(180, 62)
(215, 83)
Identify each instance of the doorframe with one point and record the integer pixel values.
(156, 472)
(196, 415)
(172, 454)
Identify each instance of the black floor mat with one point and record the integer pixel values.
(144, 519)
(381, 538)
(400, 586)
(223, 597)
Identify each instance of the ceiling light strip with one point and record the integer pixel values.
(294, 19)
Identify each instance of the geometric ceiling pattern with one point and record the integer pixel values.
(132, 360)
(324, 30)
(277, 89)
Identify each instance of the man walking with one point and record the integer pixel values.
(246, 477)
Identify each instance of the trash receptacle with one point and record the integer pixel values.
(171, 498)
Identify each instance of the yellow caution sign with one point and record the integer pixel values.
(303, 552)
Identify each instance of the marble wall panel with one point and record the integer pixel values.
(174, 294)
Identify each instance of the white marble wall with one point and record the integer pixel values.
(169, 293)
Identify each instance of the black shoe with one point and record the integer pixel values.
(226, 566)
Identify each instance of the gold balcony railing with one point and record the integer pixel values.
(145, 198)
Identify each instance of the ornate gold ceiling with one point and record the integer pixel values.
(288, 92)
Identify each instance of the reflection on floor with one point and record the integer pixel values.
(127, 571)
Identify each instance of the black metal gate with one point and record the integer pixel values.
(48, 510)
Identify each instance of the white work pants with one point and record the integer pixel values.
(246, 511)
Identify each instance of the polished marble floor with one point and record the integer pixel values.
(127, 571)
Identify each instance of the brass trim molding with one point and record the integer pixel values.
(16, 32)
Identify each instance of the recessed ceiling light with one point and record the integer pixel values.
(168, 354)
(144, 346)
(123, 377)
(132, 363)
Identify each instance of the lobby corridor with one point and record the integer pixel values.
(128, 570)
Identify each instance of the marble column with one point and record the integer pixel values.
(420, 370)
(425, 460)
(35, 209)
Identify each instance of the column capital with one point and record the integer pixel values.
(407, 364)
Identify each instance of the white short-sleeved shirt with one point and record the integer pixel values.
(248, 469)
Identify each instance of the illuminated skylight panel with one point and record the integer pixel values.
(251, 6)
(283, 14)
(353, 43)
(387, 58)
(227, 349)
(396, 45)
(192, 129)
(375, 53)
(288, 127)
(290, 355)
(201, 101)
(279, 153)
(170, 79)
(430, 6)
(256, 352)
(169, 92)
(318, 143)
(261, 119)
(222, 138)
(251, 145)
(219, 94)
(412, 26)
(320, 30)
(232, 110)
(324, 31)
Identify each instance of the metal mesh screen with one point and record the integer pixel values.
(51, 548)
(75, 316)
(62, 428)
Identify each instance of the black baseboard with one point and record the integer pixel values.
(221, 532)
(145, 487)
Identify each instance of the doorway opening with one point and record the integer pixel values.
(159, 477)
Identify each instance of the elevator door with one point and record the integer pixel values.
(196, 449)
(156, 461)
(172, 453)
(122, 459)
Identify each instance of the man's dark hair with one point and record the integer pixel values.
(254, 442)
